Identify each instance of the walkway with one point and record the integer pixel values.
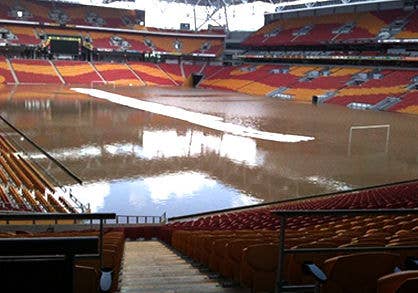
(149, 266)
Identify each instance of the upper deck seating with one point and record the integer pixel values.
(21, 35)
(68, 13)
(322, 29)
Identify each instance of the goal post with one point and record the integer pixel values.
(365, 128)
(102, 83)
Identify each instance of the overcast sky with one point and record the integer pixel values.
(247, 17)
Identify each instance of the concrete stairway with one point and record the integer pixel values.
(150, 266)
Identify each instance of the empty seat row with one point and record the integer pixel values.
(243, 245)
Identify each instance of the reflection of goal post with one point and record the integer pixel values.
(102, 83)
(365, 127)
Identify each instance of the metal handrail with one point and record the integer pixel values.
(56, 217)
(342, 212)
(58, 163)
(284, 214)
(137, 219)
(47, 248)
(79, 205)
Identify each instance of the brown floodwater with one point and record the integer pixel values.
(140, 162)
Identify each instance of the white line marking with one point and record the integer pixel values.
(196, 118)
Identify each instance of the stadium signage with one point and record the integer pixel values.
(64, 38)
(390, 41)
(336, 57)
(180, 54)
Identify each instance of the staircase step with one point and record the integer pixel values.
(150, 266)
(167, 280)
(197, 289)
(156, 274)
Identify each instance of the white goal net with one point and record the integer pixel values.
(366, 139)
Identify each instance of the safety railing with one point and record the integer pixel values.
(284, 215)
(136, 220)
(29, 143)
(29, 218)
(40, 149)
(75, 218)
(61, 251)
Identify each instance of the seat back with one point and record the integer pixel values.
(358, 273)
(409, 286)
(262, 257)
(390, 283)
(259, 267)
(218, 253)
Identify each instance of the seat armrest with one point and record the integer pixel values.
(411, 263)
(312, 269)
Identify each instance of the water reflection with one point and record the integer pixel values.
(197, 118)
(126, 155)
(177, 194)
(160, 144)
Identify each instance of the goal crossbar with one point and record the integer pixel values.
(362, 127)
(93, 82)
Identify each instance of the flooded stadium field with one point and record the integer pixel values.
(189, 151)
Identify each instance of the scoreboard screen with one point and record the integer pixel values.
(64, 45)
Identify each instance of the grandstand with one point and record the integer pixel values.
(358, 27)
(145, 159)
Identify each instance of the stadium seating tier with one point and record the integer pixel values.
(322, 29)
(77, 72)
(243, 245)
(35, 71)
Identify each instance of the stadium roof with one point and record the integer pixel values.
(222, 3)
(211, 3)
(282, 3)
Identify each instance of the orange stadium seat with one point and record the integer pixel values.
(408, 103)
(358, 272)
(189, 69)
(392, 282)
(5, 74)
(118, 73)
(259, 266)
(207, 242)
(76, 72)
(24, 35)
(22, 180)
(151, 74)
(323, 28)
(35, 71)
(410, 31)
(76, 14)
(173, 71)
